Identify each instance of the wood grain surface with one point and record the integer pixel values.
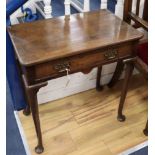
(54, 38)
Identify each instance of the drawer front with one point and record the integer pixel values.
(81, 62)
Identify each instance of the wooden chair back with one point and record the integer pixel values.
(129, 16)
(142, 21)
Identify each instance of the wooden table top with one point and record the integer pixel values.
(55, 38)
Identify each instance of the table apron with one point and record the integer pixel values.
(77, 63)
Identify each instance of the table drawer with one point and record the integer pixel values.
(81, 62)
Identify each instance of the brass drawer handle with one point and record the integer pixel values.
(110, 54)
(62, 67)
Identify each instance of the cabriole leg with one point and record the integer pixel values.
(117, 74)
(145, 131)
(128, 74)
(98, 80)
(32, 96)
(27, 110)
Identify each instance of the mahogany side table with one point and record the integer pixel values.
(47, 49)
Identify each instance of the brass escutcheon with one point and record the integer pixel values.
(62, 66)
(111, 54)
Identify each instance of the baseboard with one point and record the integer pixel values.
(135, 148)
(21, 131)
